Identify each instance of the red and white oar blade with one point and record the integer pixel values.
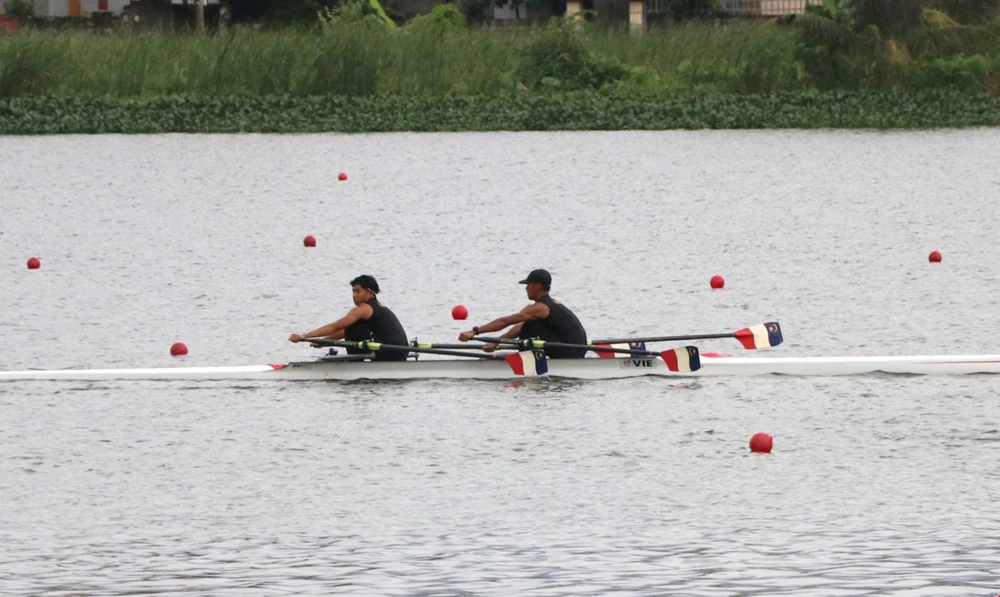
(603, 353)
(682, 360)
(528, 363)
(763, 335)
(637, 348)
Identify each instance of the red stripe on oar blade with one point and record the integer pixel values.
(682, 360)
(746, 338)
(515, 363)
(276, 367)
(604, 354)
(670, 358)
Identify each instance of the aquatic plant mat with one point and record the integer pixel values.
(566, 111)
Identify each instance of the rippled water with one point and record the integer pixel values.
(878, 485)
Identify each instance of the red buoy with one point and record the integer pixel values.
(178, 349)
(761, 442)
(934, 257)
(309, 241)
(34, 263)
(342, 177)
(717, 281)
(459, 312)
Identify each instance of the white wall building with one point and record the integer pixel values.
(77, 8)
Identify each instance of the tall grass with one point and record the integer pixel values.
(703, 57)
(346, 61)
(358, 60)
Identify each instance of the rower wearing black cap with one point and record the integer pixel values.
(368, 320)
(545, 319)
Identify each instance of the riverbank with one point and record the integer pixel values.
(352, 78)
(527, 112)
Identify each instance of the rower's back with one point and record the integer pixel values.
(383, 326)
(561, 325)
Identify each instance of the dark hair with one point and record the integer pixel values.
(367, 282)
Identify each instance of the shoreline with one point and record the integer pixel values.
(569, 111)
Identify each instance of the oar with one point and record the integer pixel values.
(448, 346)
(683, 359)
(762, 335)
(529, 362)
(605, 352)
(368, 346)
(521, 363)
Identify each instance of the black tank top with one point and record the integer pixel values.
(562, 322)
(384, 325)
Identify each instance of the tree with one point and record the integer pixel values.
(20, 9)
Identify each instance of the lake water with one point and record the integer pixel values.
(878, 484)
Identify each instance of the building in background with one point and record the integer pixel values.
(637, 14)
(77, 8)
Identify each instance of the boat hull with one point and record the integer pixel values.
(591, 368)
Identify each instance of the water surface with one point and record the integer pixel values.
(878, 484)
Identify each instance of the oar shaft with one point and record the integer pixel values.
(665, 338)
(368, 346)
(545, 343)
(762, 335)
(448, 346)
(684, 359)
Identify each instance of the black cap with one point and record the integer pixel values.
(540, 276)
(367, 282)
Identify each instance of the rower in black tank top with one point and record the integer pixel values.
(545, 319)
(562, 325)
(382, 326)
(369, 320)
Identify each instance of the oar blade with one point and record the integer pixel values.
(684, 359)
(638, 348)
(528, 363)
(764, 335)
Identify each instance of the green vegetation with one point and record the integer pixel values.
(874, 63)
(369, 14)
(20, 9)
(359, 51)
(578, 110)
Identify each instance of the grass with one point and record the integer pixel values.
(357, 79)
(355, 61)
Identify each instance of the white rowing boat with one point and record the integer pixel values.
(589, 368)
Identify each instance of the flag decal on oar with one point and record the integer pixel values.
(638, 348)
(682, 360)
(528, 362)
(763, 335)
